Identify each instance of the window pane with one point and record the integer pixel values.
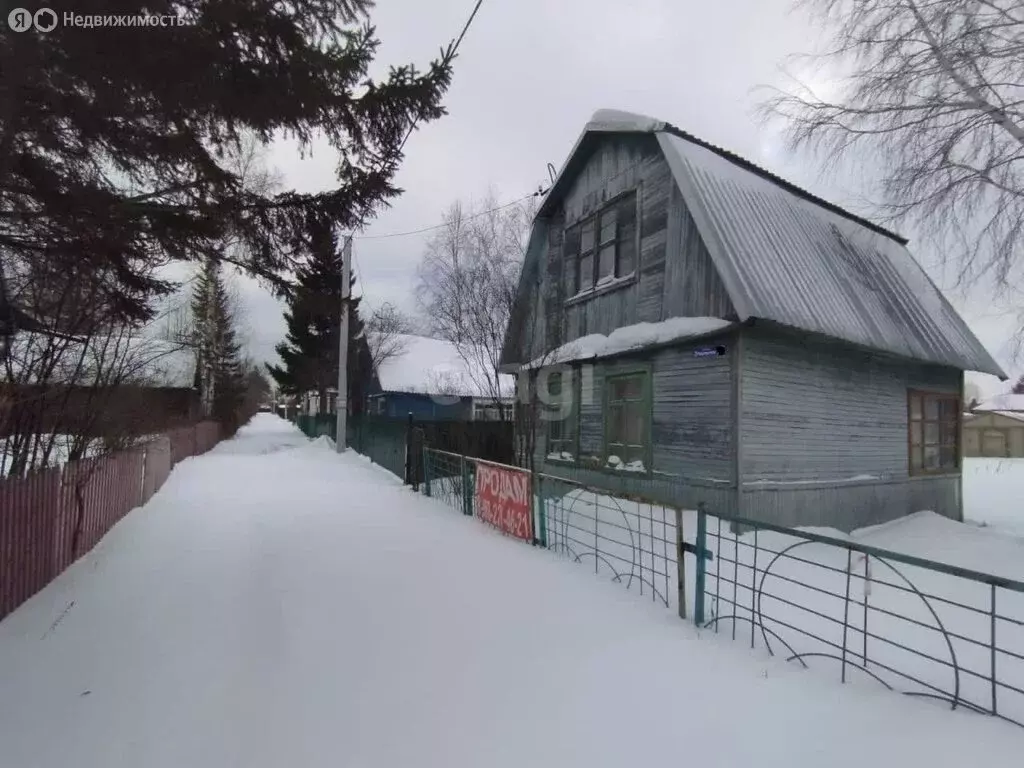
(931, 432)
(947, 409)
(626, 388)
(607, 227)
(931, 408)
(616, 418)
(586, 272)
(947, 457)
(915, 433)
(626, 255)
(633, 424)
(947, 433)
(931, 457)
(587, 235)
(554, 386)
(625, 213)
(915, 406)
(915, 458)
(606, 266)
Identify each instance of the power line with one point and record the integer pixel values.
(538, 193)
(448, 58)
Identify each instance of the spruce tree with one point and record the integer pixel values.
(115, 140)
(220, 374)
(309, 354)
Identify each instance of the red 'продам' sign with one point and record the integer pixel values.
(503, 500)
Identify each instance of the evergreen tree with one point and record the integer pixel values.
(220, 375)
(309, 353)
(115, 141)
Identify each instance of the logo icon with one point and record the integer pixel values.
(19, 20)
(45, 20)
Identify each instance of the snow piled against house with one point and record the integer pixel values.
(631, 337)
(434, 366)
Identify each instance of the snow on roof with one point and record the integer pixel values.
(434, 366)
(1007, 401)
(127, 360)
(617, 120)
(630, 338)
(790, 257)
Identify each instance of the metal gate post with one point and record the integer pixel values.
(467, 498)
(701, 550)
(426, 470)
(541, 534)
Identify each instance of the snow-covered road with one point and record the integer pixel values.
(276, 605)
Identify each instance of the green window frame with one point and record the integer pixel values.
(561, 426)
(933, 432)
(627, 417)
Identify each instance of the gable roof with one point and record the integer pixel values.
(791, 258)
(433, 366)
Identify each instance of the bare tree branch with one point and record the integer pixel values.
(931, 92)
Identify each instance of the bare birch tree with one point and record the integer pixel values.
(931, 92)
(467, 283)
(385, 331)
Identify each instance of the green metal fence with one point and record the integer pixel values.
(910, 624)
(313, 425)
(382, 440)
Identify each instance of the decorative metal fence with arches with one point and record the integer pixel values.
(910, 624)
(918, 626)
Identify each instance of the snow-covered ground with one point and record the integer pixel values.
(994, 494)
(278, 605)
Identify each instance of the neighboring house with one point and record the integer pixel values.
(430, 380)
(995, 429)
(129, 386)
(712, 333)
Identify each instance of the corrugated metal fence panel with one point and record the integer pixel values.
(157, 466)
(28, 509)
(39, 514)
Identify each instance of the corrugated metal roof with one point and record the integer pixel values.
(787, 258)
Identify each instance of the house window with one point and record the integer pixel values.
(627, 419)
(934, 422)
(559, 409)
(603, 246)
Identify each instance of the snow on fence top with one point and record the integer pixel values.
(630, 338)
(434, 366)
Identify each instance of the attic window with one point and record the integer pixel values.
(602, 247)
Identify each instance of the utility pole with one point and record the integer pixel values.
(341, 401)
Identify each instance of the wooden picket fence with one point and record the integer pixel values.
(39, 514)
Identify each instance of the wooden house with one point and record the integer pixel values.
(429, 379)
(697, 329)
(995, 428)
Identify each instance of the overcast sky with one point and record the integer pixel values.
(529, 75)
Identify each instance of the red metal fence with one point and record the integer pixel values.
(49, 519)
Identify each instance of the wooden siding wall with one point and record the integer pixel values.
(824, 434)
(818, 411)
(690, 418)
(674, 273)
